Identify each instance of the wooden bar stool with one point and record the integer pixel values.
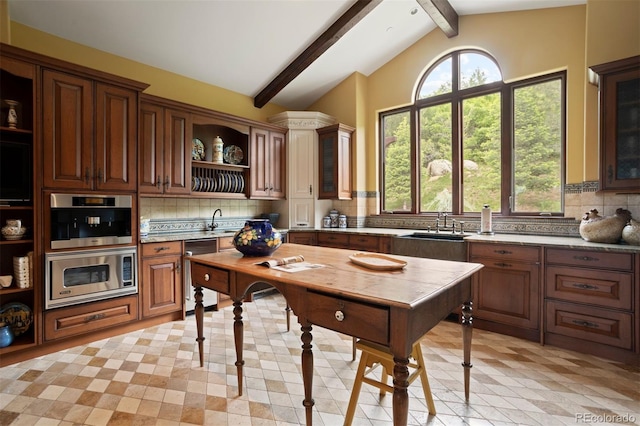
(374, 355)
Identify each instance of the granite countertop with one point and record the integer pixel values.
(522, 239)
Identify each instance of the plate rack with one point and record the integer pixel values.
(209, 180)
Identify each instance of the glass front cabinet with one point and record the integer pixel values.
(619, 87)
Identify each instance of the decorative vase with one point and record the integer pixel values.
(631, 233)
(598, 229)
(257, 238)
(12, 115)
(218, 147)
(6, 335)
(208, 150)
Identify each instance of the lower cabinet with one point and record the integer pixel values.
(90, 317)
(161, 278)
(506, 292)
(589, 303)
(308, 238)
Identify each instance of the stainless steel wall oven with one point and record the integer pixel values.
(74, 277)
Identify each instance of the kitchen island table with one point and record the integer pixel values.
(393, 307)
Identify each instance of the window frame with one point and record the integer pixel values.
(455, 98)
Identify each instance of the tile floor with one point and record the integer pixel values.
(152, 377)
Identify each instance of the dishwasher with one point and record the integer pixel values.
(210, 297)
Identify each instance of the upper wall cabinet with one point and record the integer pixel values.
(335, 162)
(89, 133)
(164, 148)
(268, 169)
(619, 85)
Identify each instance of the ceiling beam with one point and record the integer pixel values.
(443, 14)
(339, 28)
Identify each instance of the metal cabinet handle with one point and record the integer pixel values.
(583, 323)
(503, 265)
(502, 251)
(207, 277)
(158, 182)
(585, 286)
(166, 182)
(163, 248)
(94, 317)
(87, 176)
(586, 258)
(339, 315)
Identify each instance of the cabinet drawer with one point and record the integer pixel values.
(369, 322)
(505, 251)
(603, 288)
(308, 238)
(91, 317)
(209, 277)
(590, 259)
(161, 249)
(588, 323)
(363, 242)
(329, 239)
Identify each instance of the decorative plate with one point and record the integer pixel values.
(379, 262)
(197, 149)
(18, 316)
(233, 154)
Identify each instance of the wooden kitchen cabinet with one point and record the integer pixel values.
(268, 164)
(303, 237)
(335, 162)
(619, 86)
(161, 278)
(89, 133)
(20, 197)
(590, 302)
(164, 148)
(506, 292)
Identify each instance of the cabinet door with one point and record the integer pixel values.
(335, 162)
(302, 212)
(507, 293)
(161, 285)
(177, 151)
(301, 163)
(308, 238)
(277, 149)
(116, 124)
(67, 106)
(620, 124)
(150, 148)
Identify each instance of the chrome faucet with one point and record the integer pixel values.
(214, 225)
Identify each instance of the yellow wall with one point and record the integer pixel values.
(162, 83)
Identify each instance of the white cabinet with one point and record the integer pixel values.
(302, 209)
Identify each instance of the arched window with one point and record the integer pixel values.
(470, 139)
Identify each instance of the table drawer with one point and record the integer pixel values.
(591, 259)
(366, 321)
(330, 239)
(603, 288)
(209, 277)
(161, 249)
(505, 251)
(588, 323)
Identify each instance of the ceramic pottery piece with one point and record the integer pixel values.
(598, 229)
(6, 335)
(257, 238)
(631, 233)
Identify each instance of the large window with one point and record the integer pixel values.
(470, 139)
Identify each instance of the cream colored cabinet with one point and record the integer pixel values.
(302, 209)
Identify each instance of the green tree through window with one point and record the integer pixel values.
(475, 140)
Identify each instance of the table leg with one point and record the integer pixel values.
(307, 372)
(467, 331)
(400, 394)
(199, 311)
(238, 334)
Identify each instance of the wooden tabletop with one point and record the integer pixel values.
(404, 288)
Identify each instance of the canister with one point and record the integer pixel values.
(326, 222)
(333, 214)
(342, 221)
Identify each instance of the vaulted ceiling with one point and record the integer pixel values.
(290, 52)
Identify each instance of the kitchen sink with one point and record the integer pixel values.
(443, 245)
